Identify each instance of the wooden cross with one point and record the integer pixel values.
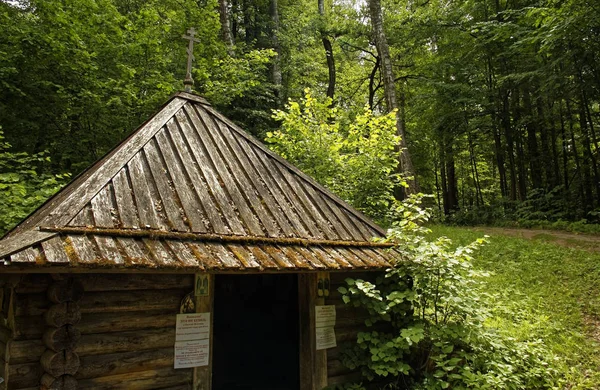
(189, 81)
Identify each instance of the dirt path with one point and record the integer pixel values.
(573, 240)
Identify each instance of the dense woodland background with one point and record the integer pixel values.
(499, 100)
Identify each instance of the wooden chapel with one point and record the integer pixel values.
(192, 215)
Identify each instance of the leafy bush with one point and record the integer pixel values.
(434, 309)
(23, 184)
(353, 157)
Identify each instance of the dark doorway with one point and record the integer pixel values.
(256, 335)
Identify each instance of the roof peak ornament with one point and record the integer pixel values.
(189, 81)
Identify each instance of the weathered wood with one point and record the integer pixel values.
(210, 175)
(67, 313)
(109, 166)
(60, 363)
(108, 301)
(148, 203)
(220, 165)
(341, 229)
(151, 379)
(306, 300)
(202, 376)
(63, 382)
(248, 190)
(64, 338)
(37, 283)
(102, 206)
(68, 290)
(5, 334)
(24, 239)
(170, 200)
(23, 375)
(191, 167)
(190, 201)
(124, 197)
(54, 250)
(29, 255)
(94, 366)
(257, 182)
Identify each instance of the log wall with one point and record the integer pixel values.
(349, 322)
(127, 329)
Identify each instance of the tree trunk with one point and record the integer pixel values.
(276, 67)
(225, 28)
(405, 165)
(328, 51)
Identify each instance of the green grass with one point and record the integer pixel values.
(542, 291)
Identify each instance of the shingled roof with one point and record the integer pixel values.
(189, 190)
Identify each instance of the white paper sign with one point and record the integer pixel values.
(192, 353)
(325, 315)
(195, 326)
(325, 338)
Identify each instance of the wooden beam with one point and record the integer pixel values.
(313, 363)
(204, 304)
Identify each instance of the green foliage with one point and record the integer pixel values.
(24, 185)
(436, 318)
(353, 157)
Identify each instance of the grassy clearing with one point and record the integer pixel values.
(542, 291)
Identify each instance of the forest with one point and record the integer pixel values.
(470, 112)
(497, 102)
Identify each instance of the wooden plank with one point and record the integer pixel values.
(324, 258)
(184, 254)
(205, 257)
(208, 171)
(268, 195)
(124, 197)
(240, 175)
(170, 200)
(54, 250)
(244, 256)
(307, 295)
(162, 255)
(320, 365)
(264, 150)
(133, 252)
(224, 256)
(295, 257)
(221, 165)
(38, 283)
(94, 366)
(193, 207)
(311, 257)
(23, 240)
(33, 327)
(110, 166)
(281, 259)
(204, 304)
(323, 209)
(190, 165)
(311, 210)
(151, 379)
(102, 207)
(264, 259)
(108, 249)
(82, 247)
(146, 200)
(338, 213)
(278, 188)
(108, 301)
(27, 255)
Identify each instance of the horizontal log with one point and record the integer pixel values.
(94, 344)
(94, 366)
(60, 363)
(24, 375)
(339, 278)
(151, 379)
(108, 301)
(63, 382)
(63, 314)
(67, 290)
(29, 328)
(39, 283)
(25, 351)
(64, 338)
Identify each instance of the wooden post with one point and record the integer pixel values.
(313, 363)
(204, 288)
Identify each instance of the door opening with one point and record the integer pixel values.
(256, 332)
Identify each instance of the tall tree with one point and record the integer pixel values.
(405, 165)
